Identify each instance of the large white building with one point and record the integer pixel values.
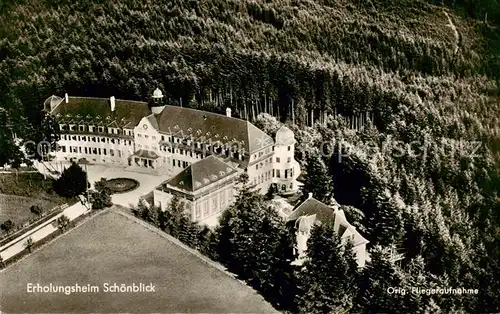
(172, 141)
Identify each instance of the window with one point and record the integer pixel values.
(111, 152)
(289, 148)
(222, 199)
(173, 162)
(63, 148)
(178, 163)
(139, 135)
(206, 211)
(289, 159)
(104, 151)
(82, 128)
(198, 211)
(103, 140)
(257, 167)
(273, 173)
(101, 129)
(277, 159)
(162, 137)
(278, 173)
(86, 150)
(146, 136)
(214, 205)
(286, 173)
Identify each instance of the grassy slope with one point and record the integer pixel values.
(17, 194)
(111, 248)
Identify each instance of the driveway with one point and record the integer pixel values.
(147, 182)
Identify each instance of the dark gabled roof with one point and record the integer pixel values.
(324, 214)
(312, 206)
(152, 119)
(126, 111)
(202, 123)
(146, 154)
(201, 174)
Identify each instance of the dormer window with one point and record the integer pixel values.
(100, 129)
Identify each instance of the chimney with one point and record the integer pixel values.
(228, 112)
(112, 102)
(310, 195)
(66, 98)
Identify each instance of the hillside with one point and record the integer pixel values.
(426, 73)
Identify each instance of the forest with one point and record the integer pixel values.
(425, 71)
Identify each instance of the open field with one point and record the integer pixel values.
(110, 248)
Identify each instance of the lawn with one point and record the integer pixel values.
(17, 208)
(19, 192)
(113, 249)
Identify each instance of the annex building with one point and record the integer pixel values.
(201, 154)
(313, 212)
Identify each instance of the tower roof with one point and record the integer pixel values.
(52, 102)
(285, 136)
(157, 93)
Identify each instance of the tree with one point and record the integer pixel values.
(376, 278)
(62, 223)
(317, 180)
(36, 209)
(101, 197)
(172, 215)
(28, 244)
(7, 225)
(72, 182)
(254, 243)
(327, 280)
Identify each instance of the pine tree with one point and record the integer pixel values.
(379, 275)
(327, 281)
(317, 179)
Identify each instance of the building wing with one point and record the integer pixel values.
(200, 174)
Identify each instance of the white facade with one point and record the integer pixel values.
(147, 146)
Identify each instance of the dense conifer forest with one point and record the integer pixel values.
(424, 71)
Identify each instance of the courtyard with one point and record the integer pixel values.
(111, 248)
(146, 182)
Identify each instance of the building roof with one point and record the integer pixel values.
(201, 174)
(51, 102)
(324, 213)
(149, 154)
(212, 126)
(285, 136)
(97, 110)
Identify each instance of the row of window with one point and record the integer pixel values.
(85, 138)
(264, 177)
(179, 163)
(268, 161)
(92, 151)
(91, 129)
(288, 173)
(217, 203)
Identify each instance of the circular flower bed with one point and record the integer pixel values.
(122, 185)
